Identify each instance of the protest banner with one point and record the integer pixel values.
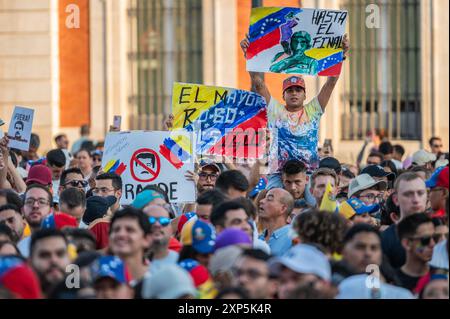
(142, 158)
(19, 132)
(294, 40)
(225, 121)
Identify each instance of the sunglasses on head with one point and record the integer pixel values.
(77, 183)
(163, 221)
(425, 241)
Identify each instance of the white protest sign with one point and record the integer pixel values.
(19, 132)
(140, 158)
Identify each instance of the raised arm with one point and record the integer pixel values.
(328, 87)
(257, 78)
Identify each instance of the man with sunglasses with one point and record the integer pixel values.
(72, 178)
(160, 232)
(418, 238)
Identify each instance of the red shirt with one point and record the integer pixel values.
(100, 229)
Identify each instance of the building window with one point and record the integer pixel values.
(165, 46)
(384, 79)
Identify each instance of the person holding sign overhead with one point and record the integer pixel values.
(294, 125)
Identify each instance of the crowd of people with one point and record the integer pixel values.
(257, 230)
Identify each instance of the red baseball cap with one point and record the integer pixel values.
(293, 81)
(39, 174)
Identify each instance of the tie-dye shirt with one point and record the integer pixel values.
(290, 140)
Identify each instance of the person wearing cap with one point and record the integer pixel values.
(171, 282)
(208, 172)
(357, 211)
(201, 277)
(355, 287)
(274, 211)
(39, 174)
(109, 184)
(439, 191)
(221, 264)
(111, 278)
(129, 238)
(423, 158)
(436, 288)
(295, 126)
(17, 277)
(161, 233)
(97, 218)
(37, 206)
(198, 239)
(379, 173)
(49, 257)
(367, 189)
(251, 272)
(300, 265)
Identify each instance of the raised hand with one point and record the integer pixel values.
(345, 44)
(244, 45)
(168, 123)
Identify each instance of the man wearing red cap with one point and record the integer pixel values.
(295, 125)
(439, 190)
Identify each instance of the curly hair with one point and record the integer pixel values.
(323, 228)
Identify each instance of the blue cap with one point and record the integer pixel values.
(200, 235)
(145, 197)
(354, 206)
(110, 267)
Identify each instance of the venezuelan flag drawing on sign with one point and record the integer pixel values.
(114, 166)
(225, 121)
(294, 40)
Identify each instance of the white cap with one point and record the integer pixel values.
(170, 282)
(224, 259)
(362, 182)
(359, 287)
(303, 259)
(422, 157)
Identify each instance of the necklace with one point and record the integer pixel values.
(292, 117)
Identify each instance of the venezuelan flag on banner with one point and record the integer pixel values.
(225, 122)
(294, 40)
(114, 166)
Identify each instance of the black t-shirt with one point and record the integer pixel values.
(392, 247)
(407, 281)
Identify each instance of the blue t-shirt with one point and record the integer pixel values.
(294, 135)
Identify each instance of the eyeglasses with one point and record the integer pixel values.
(163, 221)
(102, 190)
(372, 197)
(79, 184)
(438, 145)
(206, 175)
(250, 273)
(42, 202)
(426, 240)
